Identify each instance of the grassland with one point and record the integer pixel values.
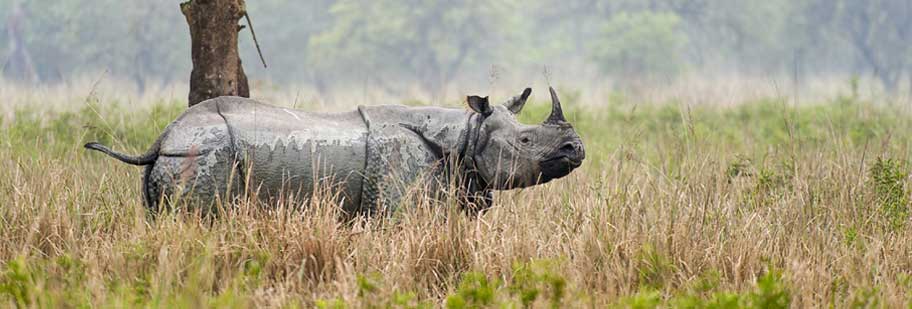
(759, 204)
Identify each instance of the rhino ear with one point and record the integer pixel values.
(479, 105)
(516, 103)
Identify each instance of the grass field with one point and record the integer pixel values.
(760, 204)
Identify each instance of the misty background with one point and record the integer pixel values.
(428, 48)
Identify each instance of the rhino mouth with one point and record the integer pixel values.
(557, 167)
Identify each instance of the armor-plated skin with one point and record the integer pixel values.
(288, 151)
(369, 157)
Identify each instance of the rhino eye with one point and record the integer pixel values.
(524, 140)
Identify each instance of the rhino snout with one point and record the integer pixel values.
(574, 151)
(567, 158)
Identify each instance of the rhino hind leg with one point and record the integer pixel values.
(149, 198)
(194, 181)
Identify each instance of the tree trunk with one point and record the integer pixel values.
(217, 69)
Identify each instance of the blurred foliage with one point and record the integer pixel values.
(432, 42)
(36, 132)
(641, 43)
(136, 39)
(427, 40)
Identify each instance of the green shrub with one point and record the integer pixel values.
(475, 290)
(645, 299)
(538, 278)
(17, 282)
(771, 292)
(887, 176)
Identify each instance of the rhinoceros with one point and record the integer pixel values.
(370, 156)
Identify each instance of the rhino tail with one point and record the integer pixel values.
(144, 159)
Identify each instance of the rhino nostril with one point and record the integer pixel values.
(569, 148)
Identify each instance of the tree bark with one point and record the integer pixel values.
(217, 69)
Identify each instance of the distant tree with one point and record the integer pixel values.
(398, 44)
(72, 38)
(286, 33)
(18, 63)
(881, 32)
(640, 45)
(428, 40)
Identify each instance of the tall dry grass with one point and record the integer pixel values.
(676, 205)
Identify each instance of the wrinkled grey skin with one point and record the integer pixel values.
(369, 157)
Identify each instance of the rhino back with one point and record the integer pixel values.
(197, 131)
(291, 152)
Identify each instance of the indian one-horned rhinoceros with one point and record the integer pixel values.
(371, 155)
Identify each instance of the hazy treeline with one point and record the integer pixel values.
(394, 44)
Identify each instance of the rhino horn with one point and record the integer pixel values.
(557, 113)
